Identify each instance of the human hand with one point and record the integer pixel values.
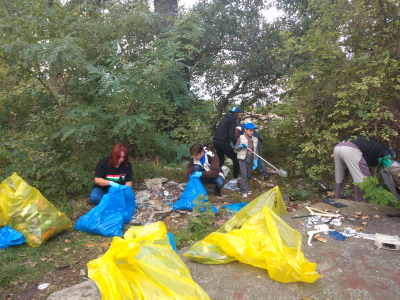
(242, 146)
(255, 164)
(113, 184)
(196, 174)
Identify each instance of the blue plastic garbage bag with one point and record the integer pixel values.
(235, 207)
(108, 217)
(10, 237)
(192, 190)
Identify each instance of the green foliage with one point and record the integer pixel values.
(342, 79)
(296, 194)
(203, 207)
(375, 194)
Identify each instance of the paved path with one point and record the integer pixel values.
(351, 269)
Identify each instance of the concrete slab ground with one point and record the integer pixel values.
(351, 269)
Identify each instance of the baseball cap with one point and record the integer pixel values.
(236, 109)
(250, 126)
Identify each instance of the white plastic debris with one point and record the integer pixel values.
(43, 286)
(349, 232)
(166, 193)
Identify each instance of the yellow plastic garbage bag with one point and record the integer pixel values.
(143, 265)
(272, 199)
(28, 212)
(208, 253)
(3, 222)
(264, 241)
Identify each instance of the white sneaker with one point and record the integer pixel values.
(249, 193)
(244, 195)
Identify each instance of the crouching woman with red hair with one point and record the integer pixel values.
(111, 171)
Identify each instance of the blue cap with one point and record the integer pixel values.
(250, 126)
(236, 109)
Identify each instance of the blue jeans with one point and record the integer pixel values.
(260, 161)
(96, 195)
(218, 181)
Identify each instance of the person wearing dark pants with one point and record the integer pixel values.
(240, 131)
(223, 135)
(204, 164)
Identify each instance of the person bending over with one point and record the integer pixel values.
(204, 164)
(111, 171)
(356, 154)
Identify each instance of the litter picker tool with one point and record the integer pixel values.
(280, 172)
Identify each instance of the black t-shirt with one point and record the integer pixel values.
(119, 175)
(371, 149)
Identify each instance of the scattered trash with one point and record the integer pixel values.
(319, 228)
(144, 250)
(336, 222)
(142, 196)
(43, 286)
(225, 170)
(28, 212)
(231, 185)
(108, 217)
(337, 235)
(154, 184)
(319, 238)
(169, 203)
(182, 186)
(365, 236)
(82, 273)
(388, 242)
(317, 212)
(10, 237)
(166, 193)
(333, 203)
(349, 232)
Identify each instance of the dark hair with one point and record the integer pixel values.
(196, 149)
(116, 153)
(235, 114)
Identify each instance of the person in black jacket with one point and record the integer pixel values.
(356, 154)
(226, 132)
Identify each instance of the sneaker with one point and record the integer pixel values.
(244, 195)
(218, 193)
(266, 176)
(249, 193)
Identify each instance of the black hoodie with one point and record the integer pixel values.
(226, 129)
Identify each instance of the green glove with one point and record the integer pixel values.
(384, 162)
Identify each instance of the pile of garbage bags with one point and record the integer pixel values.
(25, 210)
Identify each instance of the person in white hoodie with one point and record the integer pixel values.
(244, 144)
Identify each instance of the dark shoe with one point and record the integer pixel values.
(218, 192)
(266, 176)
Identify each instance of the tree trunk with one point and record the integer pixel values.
(168, 7)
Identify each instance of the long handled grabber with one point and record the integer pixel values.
(280, 172)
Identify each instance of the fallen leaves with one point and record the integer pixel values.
(27, 261)
(376, 208)
(259, 276)
(66, 249)
(359, 228)
(43, 259)
(364, 223)
(377, 216)
(33, 264)
(358, 213)
(366, 217)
